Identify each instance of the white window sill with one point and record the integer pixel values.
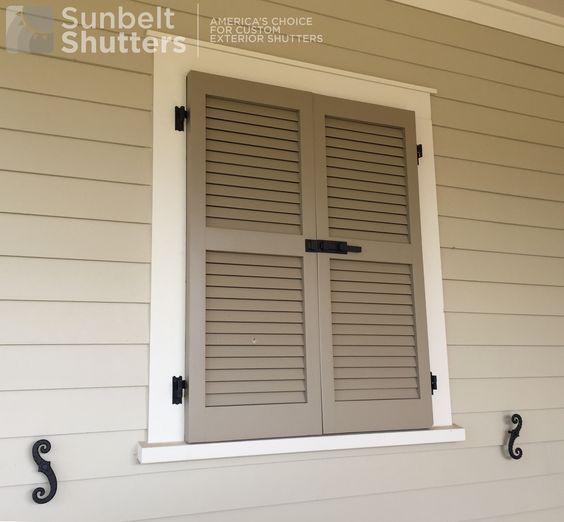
(174, 452)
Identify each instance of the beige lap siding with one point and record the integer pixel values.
(76, 299)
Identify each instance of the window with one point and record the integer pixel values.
(170, 321)
(282, 341)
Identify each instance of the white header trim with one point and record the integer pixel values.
(167, 338)
(294, 63)
(500, 14)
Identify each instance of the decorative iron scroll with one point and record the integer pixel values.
(516, 453)
(39, 495)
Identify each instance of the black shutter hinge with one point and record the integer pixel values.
(434, 385)
(178, 386)
(180, 116)
(419, 152)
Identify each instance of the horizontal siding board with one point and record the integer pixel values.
(453, 85)
(503, 298)
(47, 412)
(500, 208)
(405, 49)
(67, 197)
(72, 366)
(69, 450)
(492, 329)
(503, 268)
(496, 499)
(483, 395)
(476, 362)
(500, 151)
(469, 174)
(72, 79)
(541, 515)
(43, 154)
(485, 120)
(483, 429)
(490, 428)
(37, 322)
(36, 236)
(74, 118)
(496, 237)
(428, 25)
(37, 279)
(300, 482)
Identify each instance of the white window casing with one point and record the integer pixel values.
(165, 439)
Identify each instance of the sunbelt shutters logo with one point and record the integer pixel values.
(30, 29)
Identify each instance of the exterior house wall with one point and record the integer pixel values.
(75, 209)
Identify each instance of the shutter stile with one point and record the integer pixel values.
(252, 322)
(372, 305)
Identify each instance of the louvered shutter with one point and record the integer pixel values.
(252, 322)
(375, 367)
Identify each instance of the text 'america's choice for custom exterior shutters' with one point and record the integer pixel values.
(374, 360)
(281, 342)
(252, 322)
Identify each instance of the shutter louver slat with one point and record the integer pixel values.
(251, 130)
(254, 355)
(252, 119)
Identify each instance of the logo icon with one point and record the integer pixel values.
(29, 29)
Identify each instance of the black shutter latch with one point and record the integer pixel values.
(180, 116)
(419, 152)
(434, 385)
(178, 385)
(330, 247)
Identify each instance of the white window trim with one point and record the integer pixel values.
(167, 339)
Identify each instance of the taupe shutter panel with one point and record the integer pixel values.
(375, 367)
(252, 322)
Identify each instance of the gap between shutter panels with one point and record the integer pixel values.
(255, 352)
(252, 167)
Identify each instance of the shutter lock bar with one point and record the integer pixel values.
(330, 247)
